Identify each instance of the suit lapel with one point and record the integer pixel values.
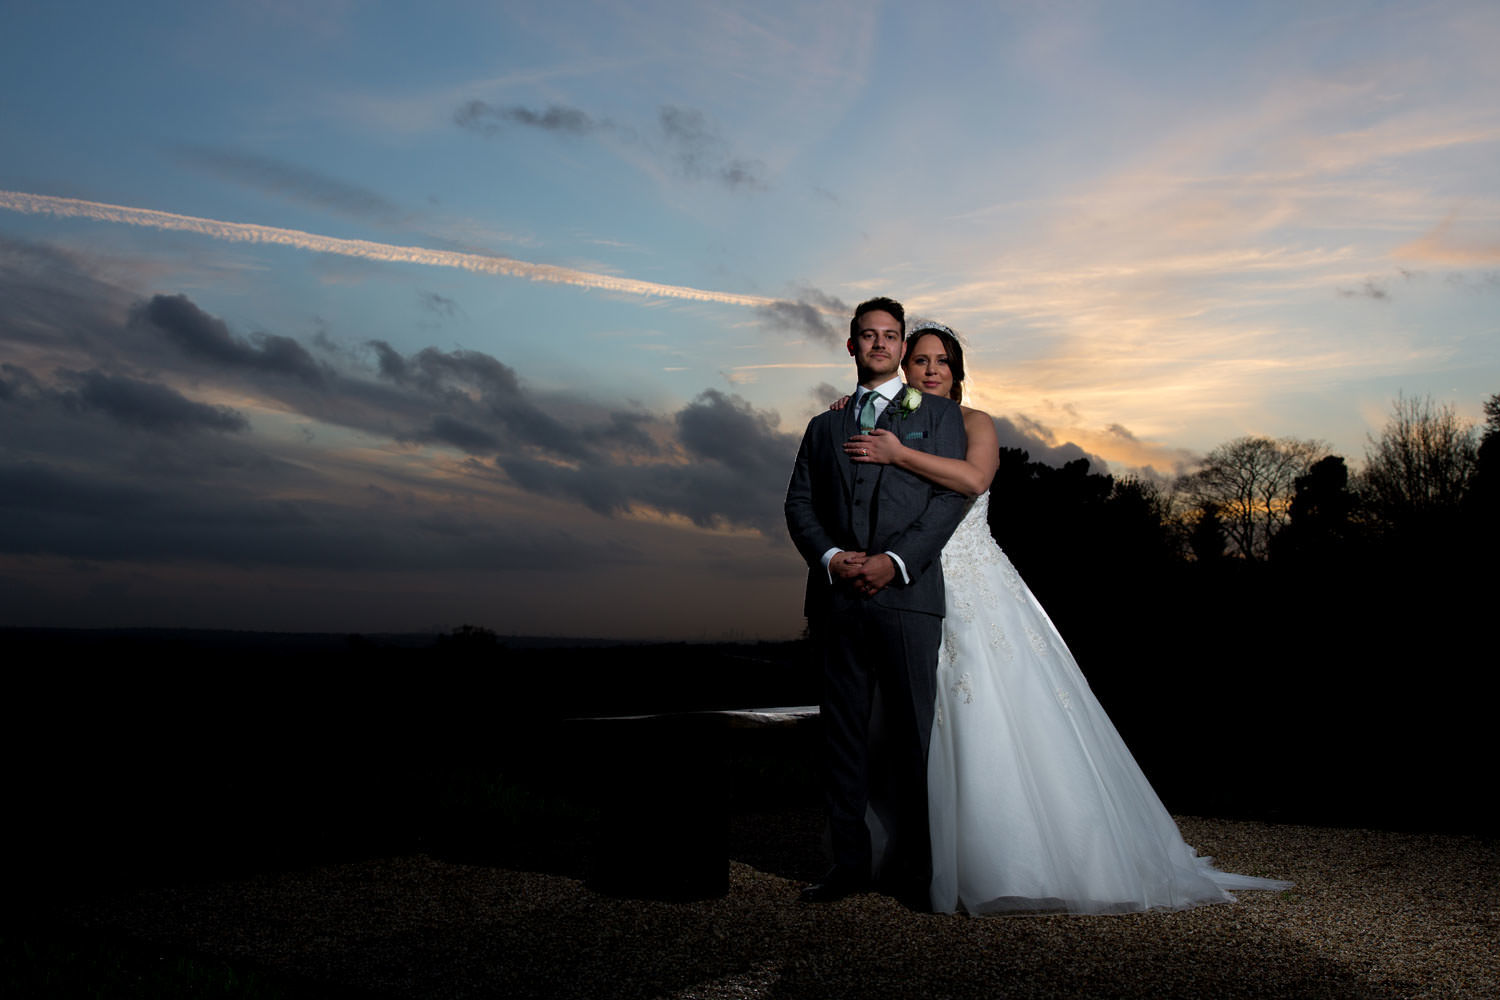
(892, 411)
(841, 429)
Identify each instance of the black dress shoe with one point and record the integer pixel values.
(838, 883)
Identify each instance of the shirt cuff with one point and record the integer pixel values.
(828, 558)
(905, 576)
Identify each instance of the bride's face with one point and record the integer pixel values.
(926, 366)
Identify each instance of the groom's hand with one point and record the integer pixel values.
(874, 575)
(846, 565)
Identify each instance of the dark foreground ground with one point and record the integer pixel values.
(186, 819)
(1374, 915)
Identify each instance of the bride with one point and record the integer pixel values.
(1034, 802)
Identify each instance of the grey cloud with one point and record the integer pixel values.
(821, 298)
(447, 430)
(625, 431)
(802, 318)
(537, 429)
(127, 401)
(744, 173)
(89, 515)
(1035, 438)
(81, 480)
(1368, 290)
(206, 337)
(148, 404)
(739, 468)
(809, 315)
(685, 138)
(555, 118)
(736, 474)
(700, 152)
(719, 428)
(16, 382)
(94, 514)
(440, 304)
(34, 485)
(445, 375)
(487, 119)
(49, 295)
(389, 361)
(824, 393)
(292, 182)
(597, 489)
(1485, 281)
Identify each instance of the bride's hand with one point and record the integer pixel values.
(839, 404)
(878, 446)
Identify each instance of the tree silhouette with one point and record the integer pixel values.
(1482, 501)
(1137, 525)
(1046, 518)
(1250, 482)
(1419, 470)
(1319, 519)
(1207, 540)
(1485, 485)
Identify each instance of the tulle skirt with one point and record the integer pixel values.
(1035, 803)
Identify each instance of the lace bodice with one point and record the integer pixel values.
(972, 566)
(971, 551)
(976, 522)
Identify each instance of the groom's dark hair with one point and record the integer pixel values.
(883, 304)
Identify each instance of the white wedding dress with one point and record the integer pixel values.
(1035, 804)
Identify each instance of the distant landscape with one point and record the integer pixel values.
(1308, 653)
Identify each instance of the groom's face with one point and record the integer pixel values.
(877, 346)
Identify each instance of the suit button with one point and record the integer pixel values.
(860, 481)
(858, 502)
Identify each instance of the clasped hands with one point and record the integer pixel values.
(867, 574)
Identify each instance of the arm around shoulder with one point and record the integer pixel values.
(919, 545)
(982, 451)
(965, 457)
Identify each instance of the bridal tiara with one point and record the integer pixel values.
(929, 324)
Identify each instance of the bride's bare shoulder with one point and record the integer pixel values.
(980, 430)
(972, 415)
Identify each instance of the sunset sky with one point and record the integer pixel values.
(382, 317)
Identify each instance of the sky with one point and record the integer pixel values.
(371, 317)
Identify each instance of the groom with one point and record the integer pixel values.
(871, 535)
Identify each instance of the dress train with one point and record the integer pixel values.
(1035, 803)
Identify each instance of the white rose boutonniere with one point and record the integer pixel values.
(910, 399)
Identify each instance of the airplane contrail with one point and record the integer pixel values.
(243, 232)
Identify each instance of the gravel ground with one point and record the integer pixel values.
(1374, 915)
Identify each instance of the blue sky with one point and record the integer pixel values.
(365, 316)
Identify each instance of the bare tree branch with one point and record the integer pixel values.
(1248, 483)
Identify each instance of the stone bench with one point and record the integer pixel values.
(664, 818)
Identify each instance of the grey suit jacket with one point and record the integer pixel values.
(907, 515)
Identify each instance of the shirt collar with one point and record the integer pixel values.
(887, 389)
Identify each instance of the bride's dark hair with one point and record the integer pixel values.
(951, 347)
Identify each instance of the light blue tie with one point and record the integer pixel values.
(867, 414)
